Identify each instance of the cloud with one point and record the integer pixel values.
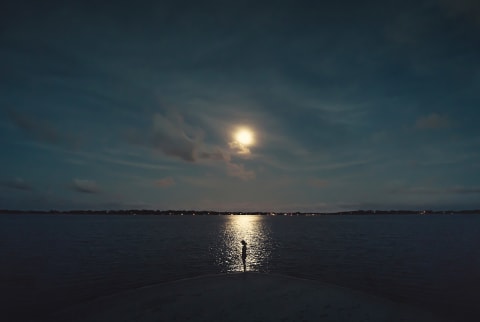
(216, 154)
(117, 159)
(415, 190)
(464, 190)
(18, 184)
(456, 190)
(318, 183)
(165, 182)
(239, 147)
(239, 171)
(432, 121)
(85, 186)
(41, 130)
(173, 137)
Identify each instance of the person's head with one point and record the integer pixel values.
(243, 242)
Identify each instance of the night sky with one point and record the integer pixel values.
(240, 105)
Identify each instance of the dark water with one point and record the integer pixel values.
(51, 262)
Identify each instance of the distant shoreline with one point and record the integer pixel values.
(228, 213)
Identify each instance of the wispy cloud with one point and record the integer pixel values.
(239, 171)
(433, 121)
(141, 165)
(313, 164)
(455, 190)
(17, 183)
(38, 129)
(464, 190)
(164, 182)
(41, 130)
(85, 186)
(204, 181)
(216, 154)
(318, 183)
(120, 160)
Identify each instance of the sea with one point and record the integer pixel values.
(51, 262)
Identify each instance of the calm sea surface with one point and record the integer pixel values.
(51, 262)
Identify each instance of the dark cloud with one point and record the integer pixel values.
(17, 183)
(41, 130)
(173, 137)
(176, 138)
(85, 186)
(216, 155)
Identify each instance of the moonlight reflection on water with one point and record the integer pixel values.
(255, 231)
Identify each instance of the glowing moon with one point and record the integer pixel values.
(244, 137)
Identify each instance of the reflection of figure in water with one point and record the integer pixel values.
(244, 255)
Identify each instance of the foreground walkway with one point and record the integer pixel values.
(242, 297)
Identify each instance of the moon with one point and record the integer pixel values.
(244, 137)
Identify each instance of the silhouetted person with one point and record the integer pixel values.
(244, 255)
